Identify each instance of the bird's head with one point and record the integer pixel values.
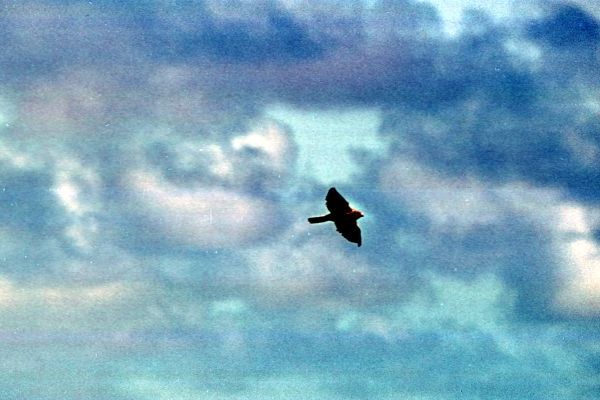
(357, 214)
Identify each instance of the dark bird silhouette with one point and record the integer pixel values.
(343, 216)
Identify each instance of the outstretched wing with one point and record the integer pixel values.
(349, 230)
(335, 202)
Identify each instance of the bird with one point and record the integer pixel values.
(343, 216)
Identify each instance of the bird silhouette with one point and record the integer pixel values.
(343, 216)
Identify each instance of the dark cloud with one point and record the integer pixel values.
(511, 121)
(569, 26)
(283, 39)
(42, 38)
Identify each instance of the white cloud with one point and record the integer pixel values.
(78, 307)
(284, 387)
(92, 296)
(451, 11)
(450, 203)
(201, 217)
(258, 160)
(573, 218)
(15, 158)
(77, 190)
(579, 291)
(565, 227)
(220, 165)
(271, 140)
(230, 306)
(318, 270)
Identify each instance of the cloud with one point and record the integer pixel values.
(271, 141)
(279, 37)
(309, 272)
(198, 217)
(540, 242)
(451, 203)
(199, 193)
(500, 177)
(38, 45)
(154, 236)
(512, 122)
(466, 328)
(578, 294)
(570, 26)
(258, 161)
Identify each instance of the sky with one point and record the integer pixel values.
(158, 161)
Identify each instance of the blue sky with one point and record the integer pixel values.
(158, 161)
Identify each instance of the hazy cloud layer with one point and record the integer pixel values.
(153, 235)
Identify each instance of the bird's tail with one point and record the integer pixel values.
(318, 220)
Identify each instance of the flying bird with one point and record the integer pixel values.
(343, 216)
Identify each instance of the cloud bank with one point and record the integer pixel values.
(153, 229)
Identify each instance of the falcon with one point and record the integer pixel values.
(343, 216)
